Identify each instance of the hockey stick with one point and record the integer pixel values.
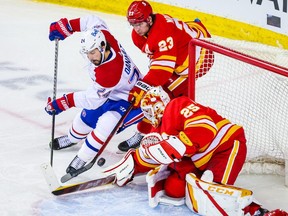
(69, 176)
(83, 186)
(58, 189)
(54, 97)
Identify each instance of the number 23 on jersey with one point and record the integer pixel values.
(166, 45)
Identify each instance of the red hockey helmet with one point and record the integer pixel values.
(139, 11)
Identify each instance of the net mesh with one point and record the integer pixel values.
(252, 97)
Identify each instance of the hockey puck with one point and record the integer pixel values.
(101, 162)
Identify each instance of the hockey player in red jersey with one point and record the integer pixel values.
(113, 75)
(165, 41)
(203, 140)
(192, 152)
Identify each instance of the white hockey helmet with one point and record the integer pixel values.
(93, 39)
(153, 104)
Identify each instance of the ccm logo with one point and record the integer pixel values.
(220, 190)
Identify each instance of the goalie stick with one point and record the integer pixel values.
(69, 176)
(58, 189)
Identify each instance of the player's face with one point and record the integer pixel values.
(141, 28)
(94, 56)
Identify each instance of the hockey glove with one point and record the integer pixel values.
(123, 170)
(138, 92)
(60, 104)
(163, 149)
(60, 29)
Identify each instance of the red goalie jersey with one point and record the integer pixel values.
(167, 46)
(212, 142)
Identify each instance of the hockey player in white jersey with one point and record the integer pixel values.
(113, 74)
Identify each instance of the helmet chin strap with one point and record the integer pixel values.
(102, 57)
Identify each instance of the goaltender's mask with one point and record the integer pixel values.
(153, 105)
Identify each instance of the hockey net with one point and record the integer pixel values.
(248, 84)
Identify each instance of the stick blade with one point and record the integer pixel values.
(67, 189)
(50, 176)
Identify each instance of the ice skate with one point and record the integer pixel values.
(133, 142)
(76, 164)
(61, 143)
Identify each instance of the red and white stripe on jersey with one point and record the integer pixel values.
(164, 62)
(225, 131)
(142, 162)
(203, 121)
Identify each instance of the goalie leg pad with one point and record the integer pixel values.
(166, 200)
(155, 179)
(205, 197)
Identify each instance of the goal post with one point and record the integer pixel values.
(248, 84)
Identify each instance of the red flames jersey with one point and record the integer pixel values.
(167, 46)
(204, 127)
(209, 136)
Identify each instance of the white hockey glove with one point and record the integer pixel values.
(123, 170)
(163, 149)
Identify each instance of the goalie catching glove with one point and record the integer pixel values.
(59, 105)
(123, 170)
(163, 149)
(138, 92)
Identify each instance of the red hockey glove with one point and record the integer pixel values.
(60, 104)
(60, 29)
(138, 92)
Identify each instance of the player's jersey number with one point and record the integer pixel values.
(165, 45)
(189, 110)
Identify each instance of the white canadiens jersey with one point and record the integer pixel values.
(114, 78)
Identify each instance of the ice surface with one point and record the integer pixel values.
(26, 69)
